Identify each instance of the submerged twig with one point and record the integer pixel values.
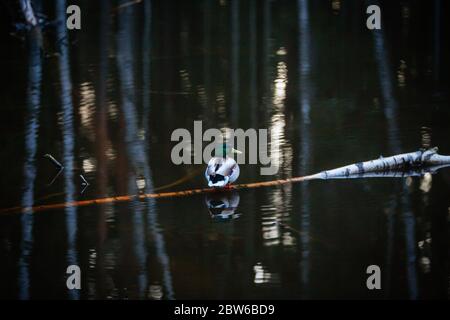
(84, 188)
(84, 183)
(56, 176)
(55, 162)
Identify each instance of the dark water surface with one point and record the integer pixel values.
(105, 100)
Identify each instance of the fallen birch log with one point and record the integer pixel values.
(382, 166)
(416, 172)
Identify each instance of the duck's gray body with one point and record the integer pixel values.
(221, 171)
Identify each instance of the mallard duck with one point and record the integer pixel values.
(222, 169)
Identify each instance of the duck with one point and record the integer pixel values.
(222, 169)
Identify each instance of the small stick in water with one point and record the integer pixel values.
(55, 162)
(56, 176)
(84, 183)
(84, 188)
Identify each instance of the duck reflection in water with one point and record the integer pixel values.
(222, 206)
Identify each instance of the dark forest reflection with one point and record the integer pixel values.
(68, 137)
(305, 89)
(104, 101)
(140, 176)
(31, 136)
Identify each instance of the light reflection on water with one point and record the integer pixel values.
(115, 111)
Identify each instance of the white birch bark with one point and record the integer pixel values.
(415, 172)
(382, 166)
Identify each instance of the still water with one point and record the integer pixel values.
(104, 101)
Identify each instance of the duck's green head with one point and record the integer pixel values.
(224, 150)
